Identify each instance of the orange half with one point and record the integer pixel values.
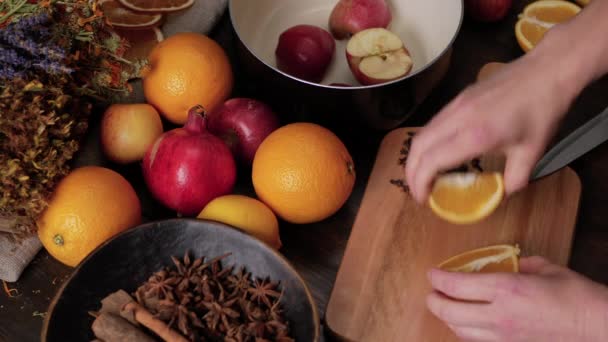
(466, 197)
(539, 17)
(499, 258)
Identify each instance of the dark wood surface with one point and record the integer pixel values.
(317, 249)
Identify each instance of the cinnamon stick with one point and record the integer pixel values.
(112, 328)
(145, 318)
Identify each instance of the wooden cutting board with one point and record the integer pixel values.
(379, 293)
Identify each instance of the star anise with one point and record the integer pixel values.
(159, 285)
(238, 283)
(236, 333)
(263, 291)
(219, 312)
(180, 313)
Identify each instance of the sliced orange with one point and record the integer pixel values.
(499, 258)
(539, 17)
(141, 42)
(119, 16)
(466, 197)
(157, 6)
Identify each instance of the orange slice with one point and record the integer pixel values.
(466, 197)
(539, 17)
(157, 6)
(141, 42)
(119, 16)
(499, 258)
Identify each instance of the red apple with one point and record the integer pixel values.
(487, 10)
(377, 55)
(243, 124)
(305, 51)
(351, 16)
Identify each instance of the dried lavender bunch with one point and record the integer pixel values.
(26, 45)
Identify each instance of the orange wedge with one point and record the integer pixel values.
(157, 6)
(466, 197)
(141, 42)
(499, 258)
(119, 16)
(539, 17)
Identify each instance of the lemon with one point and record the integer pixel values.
(246, 213)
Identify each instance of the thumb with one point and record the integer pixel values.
(533, 264)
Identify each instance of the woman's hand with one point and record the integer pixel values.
(515, 111)
(544, 302)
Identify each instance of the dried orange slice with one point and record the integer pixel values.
(157, 6)
(119, 16)
(141, 42)
(539, 17)
(499, 258)
(466, 197)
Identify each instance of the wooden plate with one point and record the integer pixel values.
(127, 260)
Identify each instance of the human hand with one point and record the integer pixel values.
(544, 302)
(515, 112)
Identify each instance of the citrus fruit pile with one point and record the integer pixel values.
(300, 172)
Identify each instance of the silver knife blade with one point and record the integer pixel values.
(582, 140)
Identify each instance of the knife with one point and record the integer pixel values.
(582, 140)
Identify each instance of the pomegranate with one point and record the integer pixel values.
(188, 167)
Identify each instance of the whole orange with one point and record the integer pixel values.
(185, 70)
(303, 172)
(89, 205)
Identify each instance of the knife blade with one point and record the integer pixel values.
(584, 139)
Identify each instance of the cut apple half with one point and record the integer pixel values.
(377, 55)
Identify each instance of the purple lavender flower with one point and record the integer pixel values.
(8, 72)
(52, 67)
(11, 57)
(25, 44)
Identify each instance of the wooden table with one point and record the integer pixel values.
(316, 250)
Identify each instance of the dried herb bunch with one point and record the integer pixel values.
(472, 165)
(57, 58)
(207, 302)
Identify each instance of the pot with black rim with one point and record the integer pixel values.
(427, 28)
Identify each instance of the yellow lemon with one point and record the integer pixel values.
(247, 214)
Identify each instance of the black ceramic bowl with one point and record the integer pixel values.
(127, 260)
(427, 27)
